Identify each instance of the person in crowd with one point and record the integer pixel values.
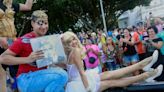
(29, 77)
(99, 41)
(119, 49)
(158, 23)
(155, 43)
(130, 55)
(7, 12)
(90, 81)
(115, 32)
(138, 36)
(109, 49)
(92, 59)
(94, 38)
(7, 28)
(81, 37)
(101, 54)
(101, 36)
(120, 34)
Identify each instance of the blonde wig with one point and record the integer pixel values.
(67, 37)
(7, 27)
(8, 3)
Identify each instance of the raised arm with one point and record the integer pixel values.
(27, 6)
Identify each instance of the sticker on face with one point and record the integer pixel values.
(41, 22)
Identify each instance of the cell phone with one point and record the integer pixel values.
(122, 36)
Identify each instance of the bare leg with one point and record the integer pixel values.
(2, 80)
(123, 82)
(136, 72)
(124, 71)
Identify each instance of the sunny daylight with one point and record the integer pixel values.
(81, 45)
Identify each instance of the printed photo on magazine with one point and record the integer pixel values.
(52, 47)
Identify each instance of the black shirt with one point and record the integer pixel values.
(14, 6)
(150, 47)
(130, 49)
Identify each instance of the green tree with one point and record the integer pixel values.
(64, 14)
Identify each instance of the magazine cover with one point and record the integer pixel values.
(52, 47)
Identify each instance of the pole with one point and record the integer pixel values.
(103, 16)
(141, 12)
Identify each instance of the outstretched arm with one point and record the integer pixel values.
(9, 58)
(129, 42)
(158, 45)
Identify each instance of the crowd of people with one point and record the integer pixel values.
(95, 61)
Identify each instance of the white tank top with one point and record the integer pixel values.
(73, 73)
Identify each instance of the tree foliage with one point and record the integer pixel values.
(64, 14)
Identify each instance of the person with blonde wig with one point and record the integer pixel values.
(7, 29)
(90, 81)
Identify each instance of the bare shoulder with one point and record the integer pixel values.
(76, 53)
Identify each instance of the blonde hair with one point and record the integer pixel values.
(8, 3)
(67, 38)
(39, 14)
(7, 27)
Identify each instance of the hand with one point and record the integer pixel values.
(125, 40)
(144, 41)
(88, 89)
(3, 42)
(150, 40)
(35, 1)
(121, 39)
(36, 55)
(90, 49)
(125, 49)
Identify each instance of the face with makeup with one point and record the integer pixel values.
(74, 42)
(40, 23)
(40, 27)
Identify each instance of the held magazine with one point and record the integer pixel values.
(52, 47)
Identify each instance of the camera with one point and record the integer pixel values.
(122, 36)
(147, 41)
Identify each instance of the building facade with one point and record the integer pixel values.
(141, 13)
